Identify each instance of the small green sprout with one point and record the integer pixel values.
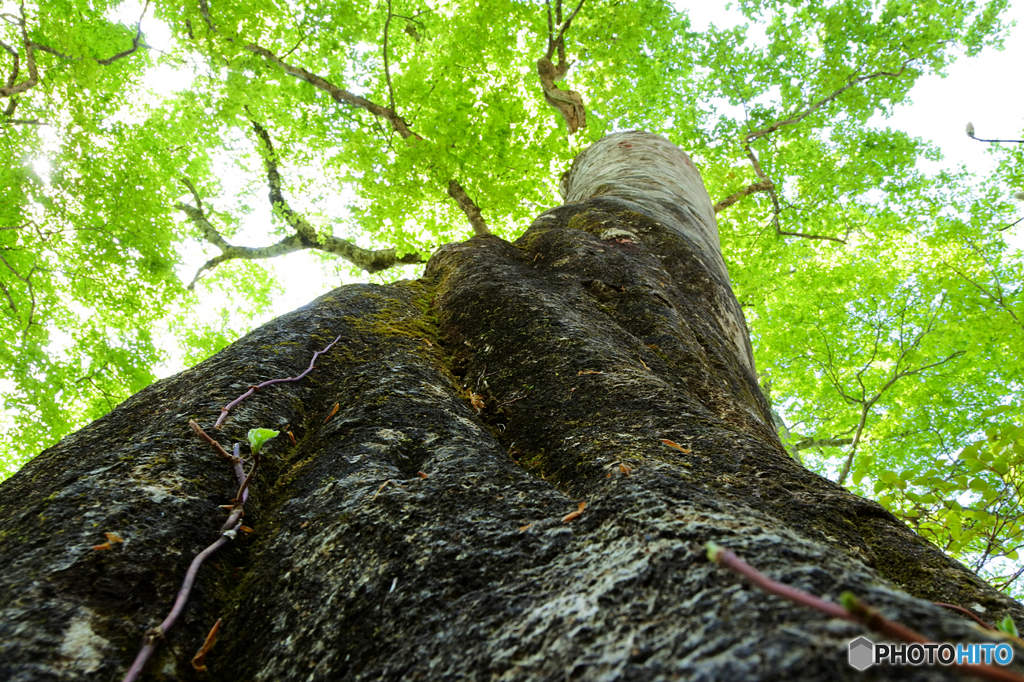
(257, 437)
(1007, 625)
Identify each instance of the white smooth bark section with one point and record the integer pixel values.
(661, 180)
(651, 171)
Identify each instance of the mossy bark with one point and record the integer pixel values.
(520, 379)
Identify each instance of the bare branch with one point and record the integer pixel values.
(397, 123)
(759, 186)
(799, 116)
(135, 41)
(387, 72)
(472, 211)
(304, 237)
(569, 103)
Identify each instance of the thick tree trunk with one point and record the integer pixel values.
(518, 378)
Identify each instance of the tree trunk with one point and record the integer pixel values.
(521, 379)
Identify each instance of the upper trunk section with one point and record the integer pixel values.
(653, 176)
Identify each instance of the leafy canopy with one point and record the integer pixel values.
(885, 307)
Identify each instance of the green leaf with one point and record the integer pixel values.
(257, 437)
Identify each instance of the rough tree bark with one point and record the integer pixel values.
(607, 327)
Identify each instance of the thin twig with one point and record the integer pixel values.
(194, 425)
(966, 612)
(227, 408)
(151, 640)
(981, 139)
(853, 609)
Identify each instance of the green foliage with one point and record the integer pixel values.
(886, 310)
(257, 437)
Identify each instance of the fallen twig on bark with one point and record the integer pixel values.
(252, 389)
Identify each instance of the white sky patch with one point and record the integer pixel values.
(155, 32)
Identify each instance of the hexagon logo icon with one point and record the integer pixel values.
(862, 653)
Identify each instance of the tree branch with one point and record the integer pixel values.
(997, 297)
(23, 121)
(776, 205)
(558, 41)
(303, 237)
(368, 259)
(799, 116)
(759, 186)
(277, 200)
(27, 281)
(848, 464)
(472, 211)
(10, 299)
(387, 71)
(13, 87)
(821, 443)
(341, 95)
(397, 123)
(30, 46)
(765, 184)
(135, 41)
(569, 103)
